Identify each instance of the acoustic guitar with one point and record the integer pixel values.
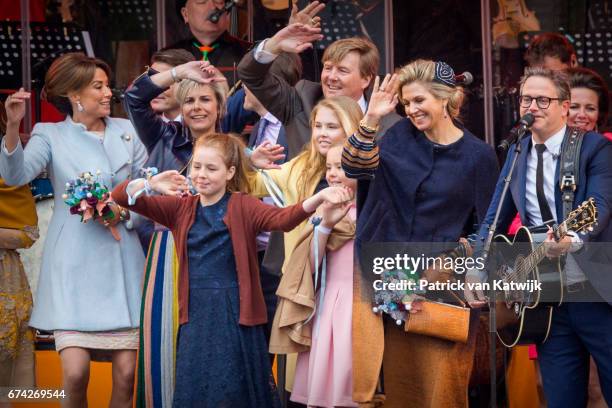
(528, 284)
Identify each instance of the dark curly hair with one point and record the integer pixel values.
(586, 78)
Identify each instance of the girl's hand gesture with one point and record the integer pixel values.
(336, 194)
(169, 182)
(382, 101)
(265, 156)
(332, 195)
(333, 213)
(15, 106)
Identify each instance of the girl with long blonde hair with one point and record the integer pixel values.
(332, 120)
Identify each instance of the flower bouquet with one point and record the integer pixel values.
(396, 302)
(88, 197)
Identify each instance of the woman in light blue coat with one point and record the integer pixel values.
(90, 284)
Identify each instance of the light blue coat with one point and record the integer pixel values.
(88, 280)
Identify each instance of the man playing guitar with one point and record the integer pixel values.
(582, 325)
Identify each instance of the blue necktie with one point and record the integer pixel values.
(263, 124)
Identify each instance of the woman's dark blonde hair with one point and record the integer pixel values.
(423, 71)
(69, 73)
(349, 114)
(220, 90)
(231, 148)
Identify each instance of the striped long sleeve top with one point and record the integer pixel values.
(360, 155)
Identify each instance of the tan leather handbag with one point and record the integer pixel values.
(449, 322)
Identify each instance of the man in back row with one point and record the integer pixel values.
(210, 41)
(349, 66)
(551, 51)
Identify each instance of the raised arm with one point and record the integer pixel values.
(15, 106)
(149, 126)
(275, 94)
(137, 102)
(360, 153)
(236, 117)
(19, 166)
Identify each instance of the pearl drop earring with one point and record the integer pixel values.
(80, 107)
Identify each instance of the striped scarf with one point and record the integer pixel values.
(158, 324)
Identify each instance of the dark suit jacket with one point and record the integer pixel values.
(595, 175)
(291, 105)
(168, 143)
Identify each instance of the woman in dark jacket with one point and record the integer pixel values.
(429, 180)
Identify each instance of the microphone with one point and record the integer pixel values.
(216, 14)
(464, 78)
(118, 94)
(517, 132)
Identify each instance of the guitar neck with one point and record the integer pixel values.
(531, 261)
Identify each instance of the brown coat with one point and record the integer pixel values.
(296, 291)
(419, 371)
(246, 216)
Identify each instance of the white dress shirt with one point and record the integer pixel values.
(271, 130)
(532, 208)
(166, 119)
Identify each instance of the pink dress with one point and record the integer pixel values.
(324, 374)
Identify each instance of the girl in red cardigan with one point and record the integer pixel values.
(221, 354)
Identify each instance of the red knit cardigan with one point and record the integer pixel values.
(246, 216)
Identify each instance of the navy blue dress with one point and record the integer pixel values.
(219, 363)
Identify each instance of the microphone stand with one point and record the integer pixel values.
(485, 256)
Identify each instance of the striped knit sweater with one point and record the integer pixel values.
(360, 155)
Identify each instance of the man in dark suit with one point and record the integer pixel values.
(210, 41)
(582, 325)
(349, 66)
